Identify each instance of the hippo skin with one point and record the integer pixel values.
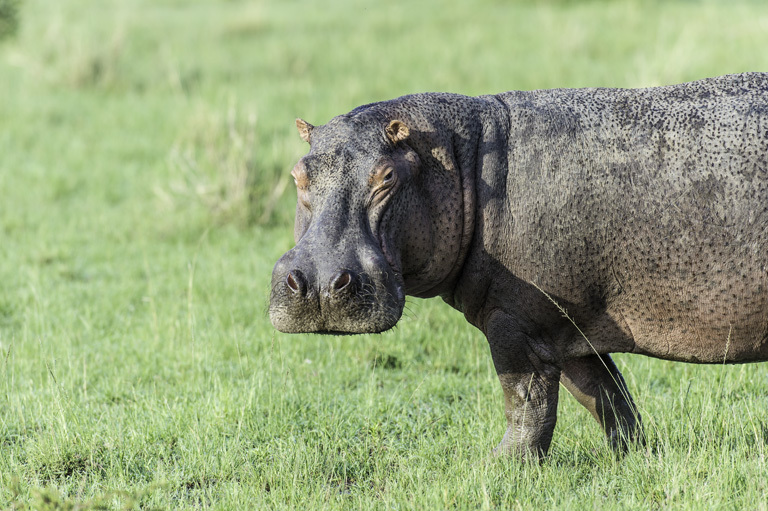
(565, 224)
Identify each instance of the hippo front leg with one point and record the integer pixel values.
(530, 390)
(597, 384)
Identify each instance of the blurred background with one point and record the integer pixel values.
(189, 106)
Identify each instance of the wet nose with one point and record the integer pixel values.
(342, 282)
(296, 282)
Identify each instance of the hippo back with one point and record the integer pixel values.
(646, 209)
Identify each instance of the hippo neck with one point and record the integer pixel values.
(448, 133)
(487, 150)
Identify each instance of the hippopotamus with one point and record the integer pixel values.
(565, 224)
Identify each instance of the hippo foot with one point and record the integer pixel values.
(525, 454)
(626, 437)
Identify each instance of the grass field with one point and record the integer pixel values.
(144, 197)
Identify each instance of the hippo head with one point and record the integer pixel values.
(365, 233)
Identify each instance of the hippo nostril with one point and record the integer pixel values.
(341, 281)
(295, 282)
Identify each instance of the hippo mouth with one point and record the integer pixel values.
(307, 297)
(353, 316)
(389, 258)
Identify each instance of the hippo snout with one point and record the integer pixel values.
(342, 283)
(349, 298)
(296, 282)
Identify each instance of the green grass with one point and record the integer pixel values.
(144, 156)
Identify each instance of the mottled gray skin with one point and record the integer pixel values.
(643, 213)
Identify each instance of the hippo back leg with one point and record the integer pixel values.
(597, 384)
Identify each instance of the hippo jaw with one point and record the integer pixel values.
(310, 297)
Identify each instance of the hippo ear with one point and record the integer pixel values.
(397, 131)
(305, 129)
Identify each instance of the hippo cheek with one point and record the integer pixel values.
(346, 296)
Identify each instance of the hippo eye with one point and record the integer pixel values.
(386, 176)
(300, 177)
